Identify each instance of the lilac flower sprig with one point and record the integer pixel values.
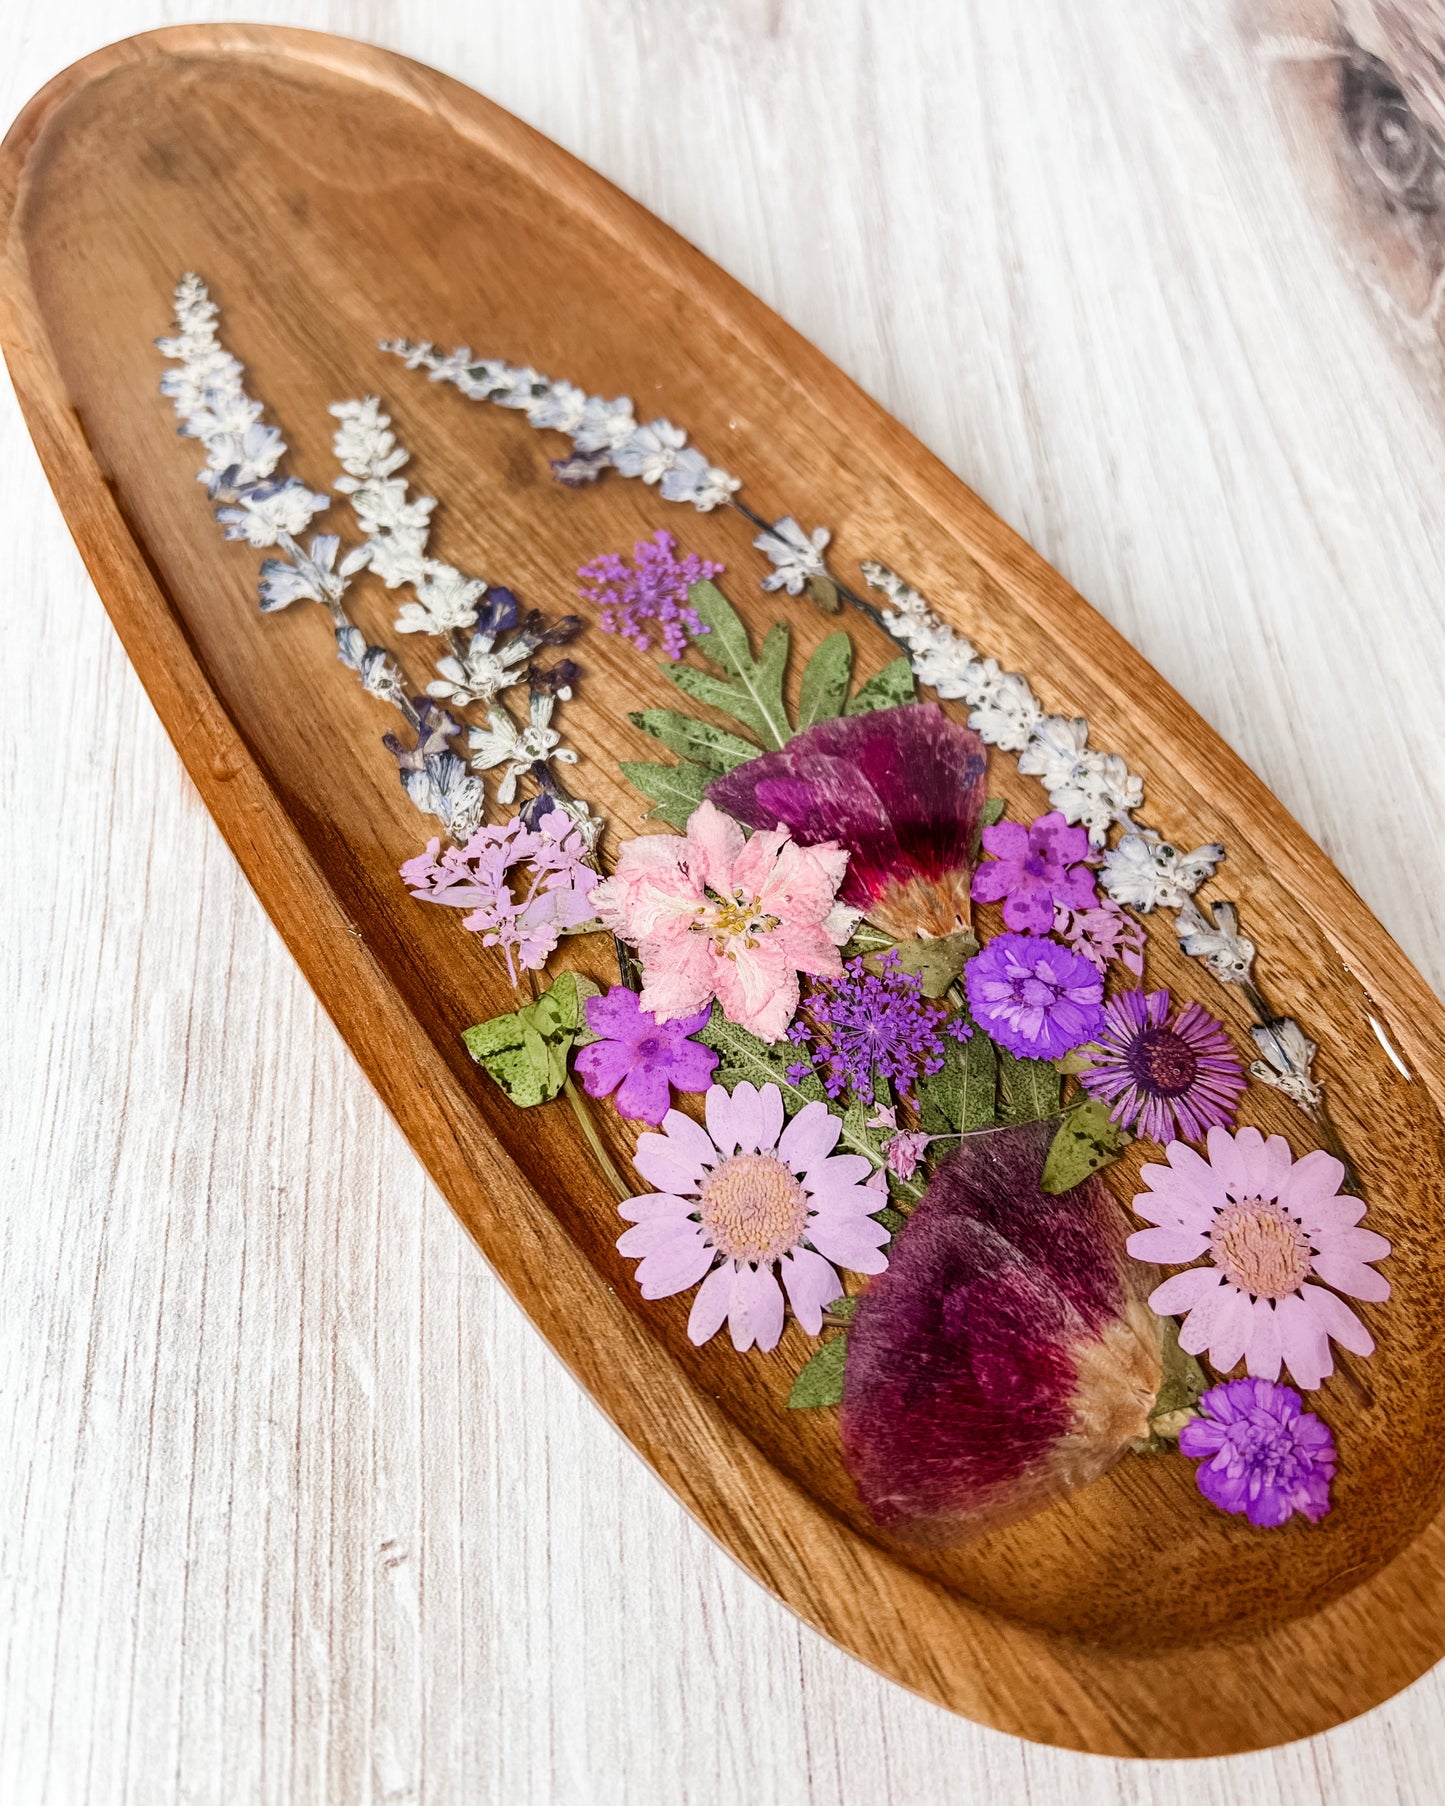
(651, 595)
(868, 1026)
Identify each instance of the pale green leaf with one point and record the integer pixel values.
(754, 695)
(994, 810)
(890, 688)
(825, 681)
(526, 1050)
(1084, 1141)
(1028, 1089)
(697, 740)
(938, 961)
(821, 1381)
(962, 1096)
(673, 790)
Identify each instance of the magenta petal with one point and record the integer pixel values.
(1007, 1319)
(644, 1094)
(604, 1065)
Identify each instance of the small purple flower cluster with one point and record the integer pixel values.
(867, 1026)
(651, 594)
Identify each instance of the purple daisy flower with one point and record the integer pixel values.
(1033, 996)
(1262, 1454)
(1170, 1079)
(1033, 870)
(640, 1058)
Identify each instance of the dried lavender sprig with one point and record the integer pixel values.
(252, 503)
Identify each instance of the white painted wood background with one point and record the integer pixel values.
(294, 1506)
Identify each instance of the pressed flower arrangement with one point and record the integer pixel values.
(1142, 1610)
(884, 1036)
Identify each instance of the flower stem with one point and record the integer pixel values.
(589, 1128)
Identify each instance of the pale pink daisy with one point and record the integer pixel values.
(746, 1203)
(716, 915)
(1269, 1224)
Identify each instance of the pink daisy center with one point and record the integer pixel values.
(1260, 1247)
(1162, 1063)
(753, 1207)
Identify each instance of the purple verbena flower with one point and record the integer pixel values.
(1166, 1077)
(1103, 933)
(476, 877)
(1033, 870)
(651, 594)
(640, 1058)
(1033, 996)
(1261, 1453)
(869, 1025)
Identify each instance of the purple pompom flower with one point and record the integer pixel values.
(1033, 996)
(651, 594)
(1262, 1455)
(1033, 870)
(640, 1058)
(1167, 1078)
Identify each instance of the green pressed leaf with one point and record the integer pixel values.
(821, 1381)
(1084, 1141)
(753, 691)
(938, 962)
(744, 1056)
(526, 1050)
(823, 591)
(867, 939)
(825, 682)
(1183, 1382)
(994, 810)
(673, 790)
(891, 1219)
(962, 1096)
(1079, 1059)
(697, 740)
(843, 1309)
(1028, 1089)
(892, 687)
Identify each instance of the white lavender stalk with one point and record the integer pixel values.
(243, 454)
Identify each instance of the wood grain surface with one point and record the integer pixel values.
(1243, 636)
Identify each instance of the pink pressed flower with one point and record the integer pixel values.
(1268, 1224)
(1033, 870)
(1103, 933)
(1164, 1077)
(746, 1203)
(479, 875)
(714, 914)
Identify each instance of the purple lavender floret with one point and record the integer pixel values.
(1262, 1454)
(871, 1025)
(650, 595)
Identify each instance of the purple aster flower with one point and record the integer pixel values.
(1169, 1079)
(651, 594)
(869, 1025)
(640, 1058)
(1033, 996)
(1033, 870)
(1262, 1455)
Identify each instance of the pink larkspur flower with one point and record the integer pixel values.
(1164, 1076)
(1033, 996)
(478, 877)
(1269, 1225)
(751, 1209)
(1033, 870)
(1261, 1454)
(640, 1059)
(716, 915)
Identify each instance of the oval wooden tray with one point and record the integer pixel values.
(330, 193)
